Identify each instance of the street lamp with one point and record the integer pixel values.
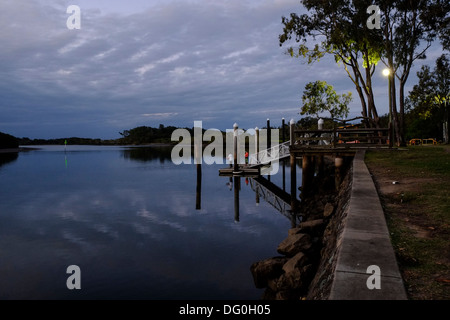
(387, 73)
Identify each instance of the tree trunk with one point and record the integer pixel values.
(446, 129)
(370, 98)
(364, 106)
(401, 122)
(395, 112)
(356, 81)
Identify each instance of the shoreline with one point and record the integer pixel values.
(17, 150)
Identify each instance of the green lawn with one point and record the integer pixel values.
(418, 215)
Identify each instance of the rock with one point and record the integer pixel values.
(267, 269)
(296, 280)
(283, 295)
(328, 210)
(290, 281)
(269, 294)
(296, 262)
(294, 244)
(293, 231)
(312, 226)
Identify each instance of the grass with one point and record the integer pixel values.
(418, 215)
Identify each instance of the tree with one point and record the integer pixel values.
(430, 97)
(341, 27)
(408, 28)
(8, 141)
(407, 25)
(319, 97)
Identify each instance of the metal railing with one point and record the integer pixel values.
(274, 153)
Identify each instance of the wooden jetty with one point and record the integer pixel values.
(243, 170)
(310, 146)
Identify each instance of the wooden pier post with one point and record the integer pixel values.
(198, 198)
(257, 194)
(257, 143)
(338, 170)
(319, 159)
(307, 173)
(320, 165)
(283, 139)
(237, 187)
(198, 161)
(293, 169)
(268, 134)
(235, 148)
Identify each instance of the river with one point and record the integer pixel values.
(136, 225)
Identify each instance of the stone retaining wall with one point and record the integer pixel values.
(342, 251)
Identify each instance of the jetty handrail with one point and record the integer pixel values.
(272, 154)
(342, 136)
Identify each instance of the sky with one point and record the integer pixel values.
(144, 63)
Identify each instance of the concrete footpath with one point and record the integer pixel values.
(366, 265)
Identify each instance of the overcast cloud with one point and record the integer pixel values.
(139, 62)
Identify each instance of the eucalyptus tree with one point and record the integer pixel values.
(339, 28)
(409, 29)
(430, 97)
(319, 97)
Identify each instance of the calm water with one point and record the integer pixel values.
(133, 222)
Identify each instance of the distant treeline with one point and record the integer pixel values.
(61, 141)
(136, 136)
(144, 135)
(8, 141)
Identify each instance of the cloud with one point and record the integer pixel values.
(192, 60)
(160, 115)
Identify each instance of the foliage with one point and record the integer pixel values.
(319, 97)
(143, 134)
(338, 28)
(71, 141)
(135, 136)
(428, 101)
(8, 141)
(409, 29)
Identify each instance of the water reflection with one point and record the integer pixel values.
(237, 188)
(136, 231)
(146, 154)
(269, 191)
(198, 194)
(6, 158)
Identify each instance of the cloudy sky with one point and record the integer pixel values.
(146, 62)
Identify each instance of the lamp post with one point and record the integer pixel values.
(387, 73)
